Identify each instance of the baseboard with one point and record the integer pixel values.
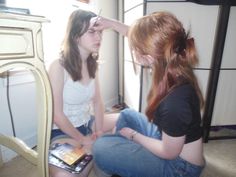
(108, 104)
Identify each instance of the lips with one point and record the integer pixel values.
(97, 45)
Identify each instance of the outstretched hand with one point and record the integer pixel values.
(100, 23)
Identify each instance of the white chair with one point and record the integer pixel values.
(26, 30)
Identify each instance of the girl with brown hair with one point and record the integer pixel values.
(78, 106)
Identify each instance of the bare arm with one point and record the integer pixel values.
(167, 148)
(98, 107)
(102, 23)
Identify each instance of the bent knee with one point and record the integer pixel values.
(106, 146)
(128, 111)
(99, 146)
(128, 114)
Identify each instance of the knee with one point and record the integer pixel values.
(106, 148)
(100, 151)
(128, 114)
(98, 146)
(56, 172)
(127, 111)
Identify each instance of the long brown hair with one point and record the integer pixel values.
(77, 25)
(163, 37)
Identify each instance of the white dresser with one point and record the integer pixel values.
(21, 47)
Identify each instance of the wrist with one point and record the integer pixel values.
(99, 132)
(133, 134)
(81, 140)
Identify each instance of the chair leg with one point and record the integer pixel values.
(1, 160)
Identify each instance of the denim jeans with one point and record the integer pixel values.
(114, 154)
(85, 129)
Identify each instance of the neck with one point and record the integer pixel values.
(84, 63)
(84, 54)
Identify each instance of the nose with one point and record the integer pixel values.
(98, 35)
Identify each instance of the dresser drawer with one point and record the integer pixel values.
(16, 43)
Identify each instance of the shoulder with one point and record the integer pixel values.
(179, 100)
(181, 95)
(56, 64)
(56, 67)
(184, 90)
(56, 72)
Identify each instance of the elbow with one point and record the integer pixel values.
(171, 156)
(57, 118)
(56, 121)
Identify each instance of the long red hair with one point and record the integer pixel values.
(163, 37)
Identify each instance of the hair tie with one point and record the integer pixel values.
(180, 45)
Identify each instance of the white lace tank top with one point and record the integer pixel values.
(77, 99)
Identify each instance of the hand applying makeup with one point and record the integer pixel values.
(100, 23)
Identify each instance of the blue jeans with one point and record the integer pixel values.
(85, 129)
(114, 154)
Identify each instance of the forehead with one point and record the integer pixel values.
(91, 26)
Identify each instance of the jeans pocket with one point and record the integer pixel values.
(180, 171)
(182, 168)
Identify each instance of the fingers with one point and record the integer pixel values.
(126, 132)
(99, 23)
(94, 21)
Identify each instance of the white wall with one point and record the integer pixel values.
(225, 102)
(22, 100)
(108, 71)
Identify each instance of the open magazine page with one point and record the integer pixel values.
(60, 153)
(67, 153)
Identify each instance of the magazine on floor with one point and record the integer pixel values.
(68, 157)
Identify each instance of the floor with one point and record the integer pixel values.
(220, 154)
(220, 158)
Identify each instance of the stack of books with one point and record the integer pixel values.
(68, 157)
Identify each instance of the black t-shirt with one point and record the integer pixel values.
(179, 114)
